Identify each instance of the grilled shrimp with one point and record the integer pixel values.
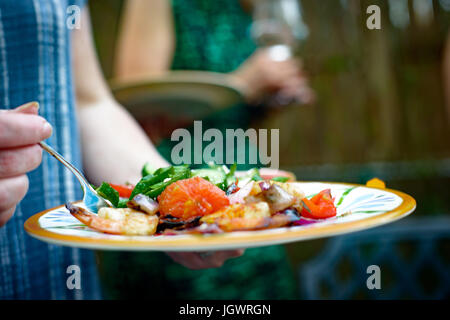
(251, 216)
(116, 221)
(240, 217)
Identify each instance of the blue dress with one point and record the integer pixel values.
(35, 66)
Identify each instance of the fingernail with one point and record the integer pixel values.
(27, 106)
(47, 129)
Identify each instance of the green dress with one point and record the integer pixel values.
(211, 35)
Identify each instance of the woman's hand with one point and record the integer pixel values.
(260, 75)
(204, 260)
(20, 131)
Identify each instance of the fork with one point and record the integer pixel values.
(91, 199)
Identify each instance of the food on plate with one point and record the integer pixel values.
(178, 200)
(240, 216)
(143, 203)
(191, 198)
(117, 220)
(321, 206)
(124, 190)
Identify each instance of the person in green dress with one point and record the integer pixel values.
(157, 36)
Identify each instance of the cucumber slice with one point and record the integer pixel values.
(215, 176)
(147, 169)
(252, 174)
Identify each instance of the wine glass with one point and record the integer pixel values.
(278, 27)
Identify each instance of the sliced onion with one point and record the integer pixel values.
(144, 203)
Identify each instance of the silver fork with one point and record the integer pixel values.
(92, 200)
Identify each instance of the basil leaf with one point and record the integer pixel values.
(109, 193)
(145, 184)
(123, 203)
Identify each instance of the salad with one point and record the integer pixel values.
(180, 200)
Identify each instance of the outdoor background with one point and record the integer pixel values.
(380, 112)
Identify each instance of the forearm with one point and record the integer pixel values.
(114, 146)
(146, 42)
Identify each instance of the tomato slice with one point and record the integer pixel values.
(123, 189)
(321, 206)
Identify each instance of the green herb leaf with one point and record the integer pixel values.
(147, 169)
(109, 193)
(230, 178)
(122, 203)
(145, 184)
(280, 179)
(158, 188)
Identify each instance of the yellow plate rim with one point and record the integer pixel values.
(225, 241)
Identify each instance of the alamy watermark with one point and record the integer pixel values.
(374, 280)
(73, 19)
(236, 142)
(74, 279)
(374, 20)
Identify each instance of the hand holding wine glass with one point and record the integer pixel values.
(279, 30)
(273, 83)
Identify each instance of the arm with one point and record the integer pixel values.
(146, 40)
(114, 146)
